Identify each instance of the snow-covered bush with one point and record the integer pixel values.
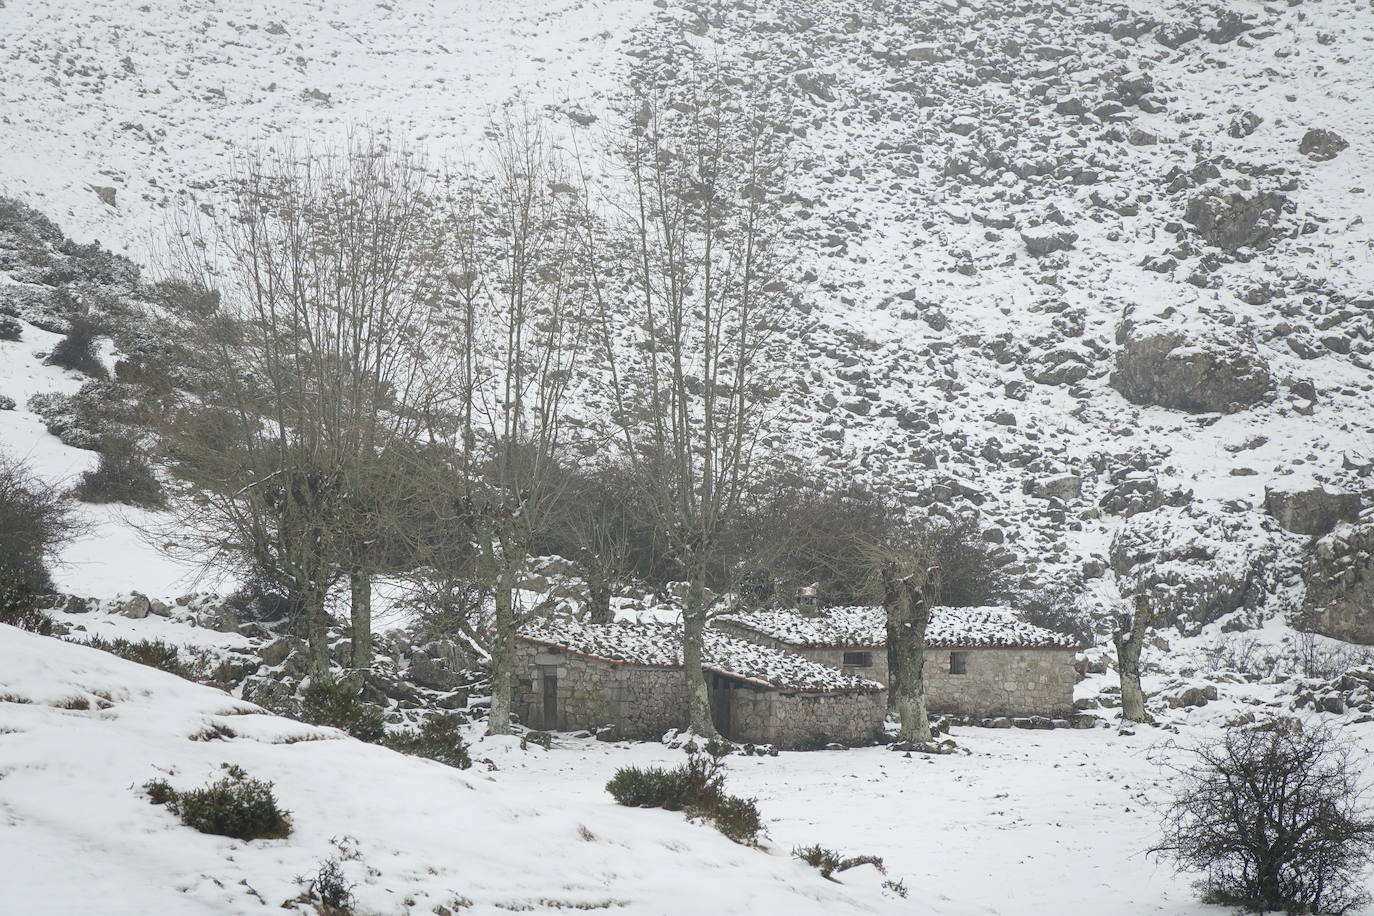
(438, 738)
(828, 861)
(696, 787)
(35, 521)
(122, 476)
(77, 350)
(10, 328)
(237, 806)
(151, 652)
(337, 702)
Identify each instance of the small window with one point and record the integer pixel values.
(958, 663)
(858, 660)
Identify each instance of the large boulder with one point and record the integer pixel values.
(1310, 508)
(1197, 565)
(1320, 145)
(1340, 583)
(137, 607)
(1232, 219)
(1200, 367)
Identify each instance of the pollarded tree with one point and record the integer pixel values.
(691, 306)
(1129, 638)
(325, 262)
(516, 302)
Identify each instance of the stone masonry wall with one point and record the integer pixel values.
(998, 682)
(642, 702)
(1002, 682)
(793, 720)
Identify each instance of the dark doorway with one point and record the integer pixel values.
(550, 717)
(722, 704)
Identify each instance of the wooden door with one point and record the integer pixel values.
(722, 693)
(550, 717)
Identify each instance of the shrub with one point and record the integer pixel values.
(122, 476)
(331, 890)
(151, 652)
(77, 350)
(236, 806)
(1277, 818)
(828, 861)
(438, 738)
(35, 522)
(28, 618)
(337, 703)
(696, 787)
(10, 328)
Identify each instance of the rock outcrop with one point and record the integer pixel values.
(1310, 508)
(1199, 370)
(1340, 583)
(1235, 219)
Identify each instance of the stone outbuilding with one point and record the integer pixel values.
(629, 676)
(980, 662)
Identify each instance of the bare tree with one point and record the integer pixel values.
(690, 310)
(910, 580)
(1278, 817)
(516, 302)
(325, 267)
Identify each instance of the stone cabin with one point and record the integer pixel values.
(980, 662)
(584, 676)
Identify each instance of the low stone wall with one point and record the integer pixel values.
(1002, 682)
(793, 720)
(642, 703)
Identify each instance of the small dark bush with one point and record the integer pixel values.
(259, 599)
(77, 350)
(236, 806)
(828, 861)
(337, 703)
(122, 476)
(35, 522)
(696, 787)
(331, 890)
(438, 738)
(28, 618)
(151, 652)
(10, 328)
(1278, 818)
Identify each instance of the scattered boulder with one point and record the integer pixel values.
(1231, 220)
(136, 607)
(1200, 370)
(1060, 486)
(1191, 695)
(1043, 240)
(1310, 508)
(432, 674)
(1243, 125)
(1320, 145)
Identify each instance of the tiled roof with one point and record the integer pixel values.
(865, 627)
(660, 645)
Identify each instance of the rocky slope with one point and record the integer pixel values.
(1099, 275)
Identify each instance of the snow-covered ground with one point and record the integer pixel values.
(1025, 822)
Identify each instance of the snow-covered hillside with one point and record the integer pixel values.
(1081, 271)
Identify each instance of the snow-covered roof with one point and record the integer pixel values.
(660, 646)
(950, 628)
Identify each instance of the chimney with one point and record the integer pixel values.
(808, 600)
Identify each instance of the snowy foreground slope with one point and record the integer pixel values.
(76, 835)
(1026, 822)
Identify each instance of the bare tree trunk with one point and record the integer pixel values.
(693, 626)
(598, 588)
(360, 604)
(502, 656)
(908, 615)
(317, 628)
(1129, 640)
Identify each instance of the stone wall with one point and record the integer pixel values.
(795, 720)
(642, 703)
(1002, 682)
(996, 682)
